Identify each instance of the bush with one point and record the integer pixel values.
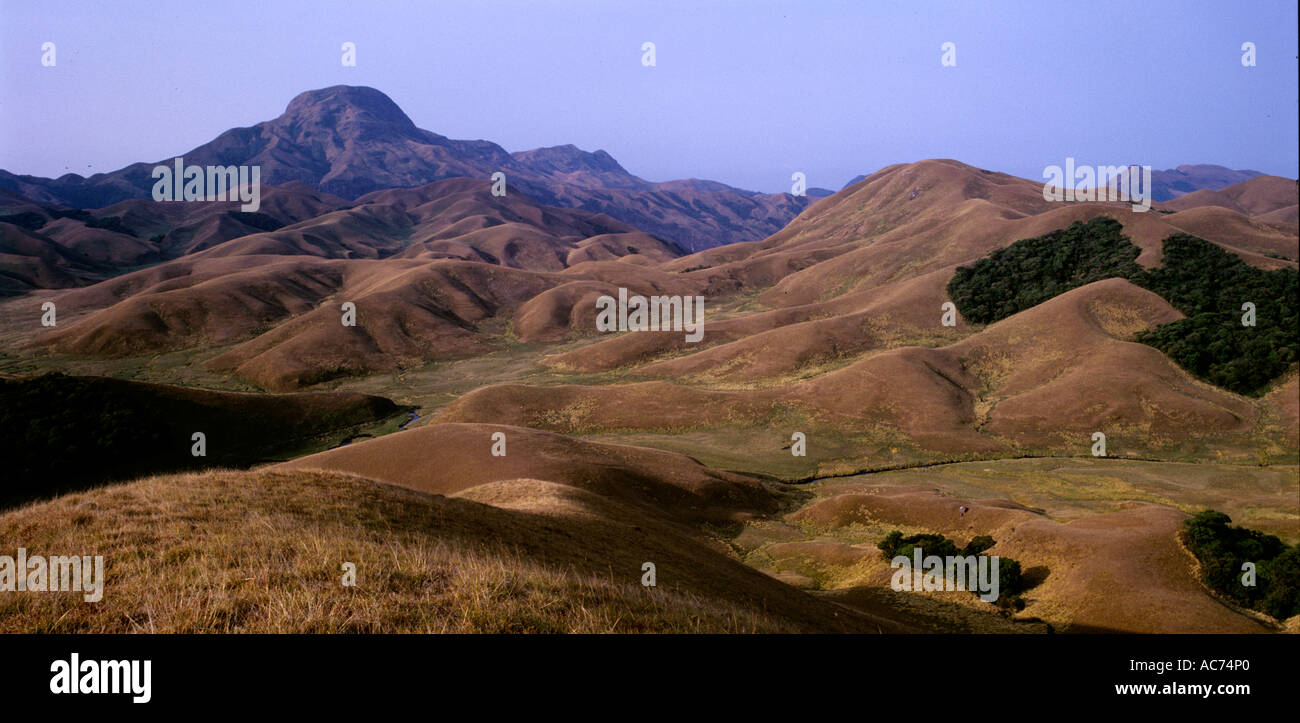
(1010, 580)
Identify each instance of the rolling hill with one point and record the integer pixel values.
(477, 310)
(831, 325)
(425, 268)
(812, 318)
(1044, 379)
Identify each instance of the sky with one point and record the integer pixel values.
(745, 93)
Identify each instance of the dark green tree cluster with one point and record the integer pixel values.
(1031, 271)
(259, 221)
(29, 220)
(110, 223)
(1223, 549)
(1011, 582)
(895, 544)
(60, 433)
(1210, 285)
(32, 221)
(1206, 283)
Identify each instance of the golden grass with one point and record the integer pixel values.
(831, 549)
(1262, 498)
(262, 552)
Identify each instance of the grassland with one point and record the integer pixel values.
(1097, 537)
(222, 552)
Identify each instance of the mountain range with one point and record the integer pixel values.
(1171, 183)
(348, 141)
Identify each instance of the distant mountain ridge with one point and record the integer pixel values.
(1174, 182)
(349, 141)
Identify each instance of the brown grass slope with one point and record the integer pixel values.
(789, 337)
(1047, 377)
(263, 552)
(452, 256)
(1066, 367)
(914, 219)
(450, 458)
(447, 270)
(1257, 196)
(139, 233)
(1239, 233)
(30, 260)
(407, 312)
(909, 223)
(1121, 571)
(209, 301)
(881, 317)
(101, 245)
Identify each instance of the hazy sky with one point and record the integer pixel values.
(743, 92)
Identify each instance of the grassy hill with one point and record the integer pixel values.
(262, 552)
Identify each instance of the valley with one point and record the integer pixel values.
(353, 348)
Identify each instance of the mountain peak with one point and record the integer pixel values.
(569, 158)
(339, 102)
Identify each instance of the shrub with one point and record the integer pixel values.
(1010, 580)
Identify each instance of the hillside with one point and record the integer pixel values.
(1115, 571)
(869, 266)
(511, 556)
(1046, 378)
(424, 267)
(1096, 566)
(831, 326)
(1257, 197)
(85, 246)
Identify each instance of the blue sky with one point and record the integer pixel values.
(743, 92)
